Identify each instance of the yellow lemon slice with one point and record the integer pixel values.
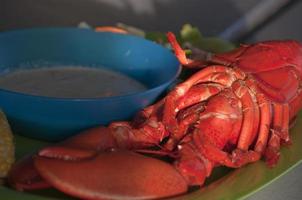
(7, 149)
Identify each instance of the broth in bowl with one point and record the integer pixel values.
(70, 82)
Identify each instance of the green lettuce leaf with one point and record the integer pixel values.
(191, 34)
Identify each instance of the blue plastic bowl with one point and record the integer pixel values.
(53, 119)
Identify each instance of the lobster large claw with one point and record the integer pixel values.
(24, 176)
(88, 166)
(112, 175)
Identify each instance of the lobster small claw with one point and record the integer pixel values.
(112, 175)
(24, 176)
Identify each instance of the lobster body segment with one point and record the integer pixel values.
(235, 110)
(269, 62)
(263, 56)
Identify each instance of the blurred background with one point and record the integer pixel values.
(211, 16)
(269, 19)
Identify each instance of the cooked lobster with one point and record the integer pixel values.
(235, 110)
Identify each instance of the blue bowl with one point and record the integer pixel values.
(54, 119)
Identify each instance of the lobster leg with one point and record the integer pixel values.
(198, 93)
(285, 125)
(237, 159)
(191, 163)
(265, 123)
(251, 115)
(272, 152)
(150, 111)
(265, 107)
(279, 133)
(189, 116)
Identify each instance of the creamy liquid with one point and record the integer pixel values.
(70, 82)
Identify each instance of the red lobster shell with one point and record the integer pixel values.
(235, 110)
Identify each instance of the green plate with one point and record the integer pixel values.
(245, 180)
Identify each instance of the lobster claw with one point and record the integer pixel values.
(24, 176)
(112, 175)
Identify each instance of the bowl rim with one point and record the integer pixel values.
(118, 97)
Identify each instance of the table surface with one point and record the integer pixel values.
(211, 17)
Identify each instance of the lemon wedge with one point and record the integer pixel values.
(7, 148)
